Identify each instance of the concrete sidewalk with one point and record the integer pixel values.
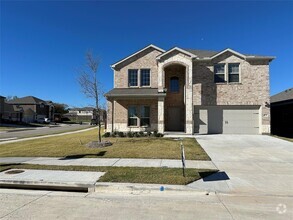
(50, 179)
(115, 162)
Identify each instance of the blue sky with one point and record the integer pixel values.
(43, 43)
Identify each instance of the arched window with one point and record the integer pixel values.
(174, 84)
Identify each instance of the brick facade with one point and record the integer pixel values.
(196, 78)
(145, 60)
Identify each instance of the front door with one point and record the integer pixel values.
(174, 119)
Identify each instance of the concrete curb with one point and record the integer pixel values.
(47, 186)
(106, 187)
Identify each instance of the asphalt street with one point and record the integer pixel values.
(26, 204)
(40, 131)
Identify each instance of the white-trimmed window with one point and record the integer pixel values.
(139, 116)
(145, 77)
(132, 77)
(145, 116)
(132, 116)
(219, 72)
(233, 72)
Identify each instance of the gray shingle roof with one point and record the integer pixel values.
(27, 100)
(134, 92)
(202, 53)
(209, 53)
(283, 96)
(12, 108)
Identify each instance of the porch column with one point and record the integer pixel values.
(161, 125)
(188, 101)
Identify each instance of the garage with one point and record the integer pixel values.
(226, 119)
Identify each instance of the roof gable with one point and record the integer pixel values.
(228, 50)
(138, 52)
(244, 56)
(177, 49)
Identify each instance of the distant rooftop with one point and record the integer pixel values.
(27, 100)
(82, 109)
(283, 96)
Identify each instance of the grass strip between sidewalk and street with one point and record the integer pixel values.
(73, 146)
(127, 174)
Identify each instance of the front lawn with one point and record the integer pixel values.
(73, 146)
(127, 174)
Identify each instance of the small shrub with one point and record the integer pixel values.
(141, 133)
(121, 134)
(107, 134)
(159, 135)
(155, 133)
(129, 134)
(136, 134)
(149, 133)
(114, 134)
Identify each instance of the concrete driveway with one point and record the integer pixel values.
(249, 165)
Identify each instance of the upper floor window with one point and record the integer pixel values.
(145, 77)
(174, 84)
(219, 70)
(132, 77)
(233, 72)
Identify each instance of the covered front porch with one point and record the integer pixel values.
(133, 109)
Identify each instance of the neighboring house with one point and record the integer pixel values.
(9, 112)
(86, 111)
(33, 108)
(191, 91)
(84, 114)
(282, 113)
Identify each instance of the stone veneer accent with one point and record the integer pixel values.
(182, 59)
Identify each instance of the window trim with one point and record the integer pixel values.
(226, 73)
(137, 79)
(225, 77)
(140, 74)
(239, 81)
(138, 117)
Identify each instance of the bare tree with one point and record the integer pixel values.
(90, 84)
(9, 98)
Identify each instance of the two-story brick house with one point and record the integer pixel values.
(32, 108)
(191, 91)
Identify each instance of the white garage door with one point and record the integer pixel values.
(227, 119)
(241, 121)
